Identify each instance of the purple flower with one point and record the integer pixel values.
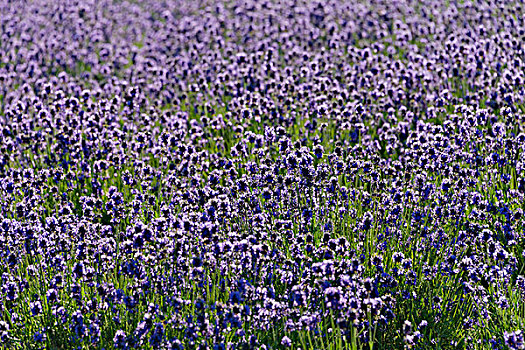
(120, 340)
(285, 341)
(36, 307)
(514, 340)
(39, 337)
(52, 295)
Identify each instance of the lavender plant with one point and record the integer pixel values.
(276, 174)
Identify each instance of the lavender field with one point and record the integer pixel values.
(262, 174)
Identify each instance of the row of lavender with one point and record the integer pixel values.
(262, 174)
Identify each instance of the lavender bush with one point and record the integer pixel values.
(283, 174)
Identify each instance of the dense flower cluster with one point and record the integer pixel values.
(262, 174)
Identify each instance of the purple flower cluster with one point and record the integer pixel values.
(262, 174)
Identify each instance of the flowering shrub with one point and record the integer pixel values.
(262, 174)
